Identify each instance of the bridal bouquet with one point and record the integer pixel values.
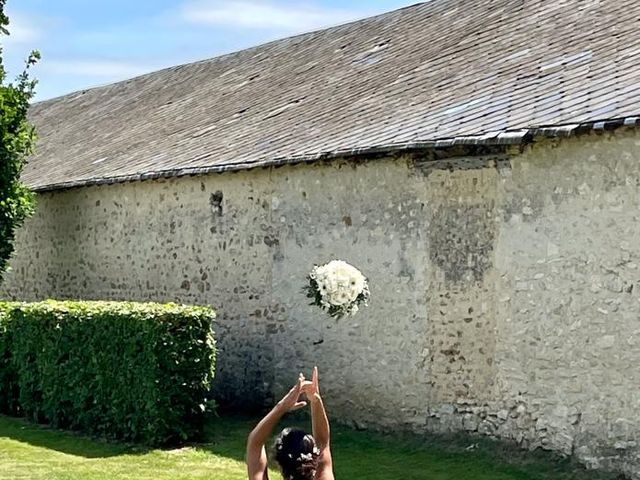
(338, 288)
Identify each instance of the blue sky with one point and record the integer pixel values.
(85, 43)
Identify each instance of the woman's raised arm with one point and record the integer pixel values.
(257, 464)
(321, 429)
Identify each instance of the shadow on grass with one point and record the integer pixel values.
(227, 435)
(378, 456)
(21, 430)
(357, 454)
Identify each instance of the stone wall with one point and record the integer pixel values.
(504, 289)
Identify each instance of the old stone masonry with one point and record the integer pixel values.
(504, 288)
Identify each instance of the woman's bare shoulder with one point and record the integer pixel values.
(325, 474)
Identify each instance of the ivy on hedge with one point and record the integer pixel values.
(127, 371)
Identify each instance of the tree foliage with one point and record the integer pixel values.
(17, 138)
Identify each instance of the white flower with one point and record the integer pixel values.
(340, 286)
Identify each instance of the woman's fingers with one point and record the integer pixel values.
(315, 377)
(299, 405)
(299, 388)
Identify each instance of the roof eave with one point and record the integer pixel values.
(504, 138)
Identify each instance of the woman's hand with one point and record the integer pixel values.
(291, 401)
(312, 389)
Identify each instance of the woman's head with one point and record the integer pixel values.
(297, 454)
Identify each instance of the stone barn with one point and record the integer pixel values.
(478, 161)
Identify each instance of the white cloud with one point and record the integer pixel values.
(107, 69)
(254, 14)
(23, 30)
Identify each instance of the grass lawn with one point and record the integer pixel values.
(36, 453)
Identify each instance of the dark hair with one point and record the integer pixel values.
(297, 454)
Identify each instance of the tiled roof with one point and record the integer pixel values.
(429, 73)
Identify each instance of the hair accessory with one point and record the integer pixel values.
(305, 457)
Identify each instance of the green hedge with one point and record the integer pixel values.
(8, 387)
(127, 371)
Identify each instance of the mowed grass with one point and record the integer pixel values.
(37, 453)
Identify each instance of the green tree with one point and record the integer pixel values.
(17, 138)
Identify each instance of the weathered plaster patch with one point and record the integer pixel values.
(461, 239)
